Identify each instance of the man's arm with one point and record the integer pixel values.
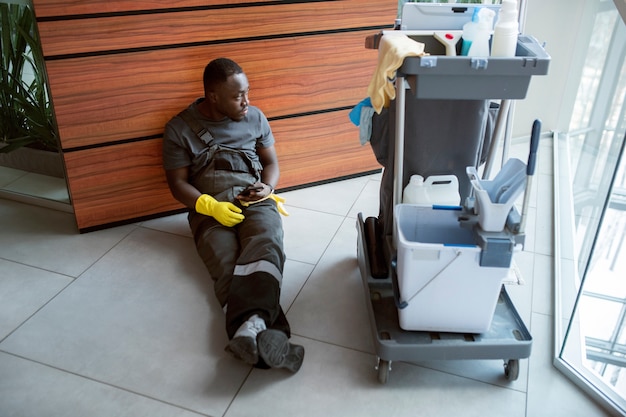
(178, 181)
(271, 171)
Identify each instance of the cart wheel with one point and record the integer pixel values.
(511, 369)
(383, 367)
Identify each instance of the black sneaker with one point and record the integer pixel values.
(243, 344)
(274, 348)
(244, 349)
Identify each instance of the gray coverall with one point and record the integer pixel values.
(245, 261)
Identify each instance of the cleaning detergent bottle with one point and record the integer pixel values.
(415, 192)
(469, 31)
(442, 190)
(480, 43)
(505, 33)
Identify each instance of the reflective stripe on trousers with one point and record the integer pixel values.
(259, 266)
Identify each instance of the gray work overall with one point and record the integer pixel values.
(246, 261)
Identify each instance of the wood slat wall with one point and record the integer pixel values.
(114, 97)
(119, 70)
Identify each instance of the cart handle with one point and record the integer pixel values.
(534, 144)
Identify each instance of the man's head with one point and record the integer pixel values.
(226, 89)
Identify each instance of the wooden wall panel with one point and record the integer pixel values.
(119, 182)
(116, 183)
(201, 26)
(114, 97)
(55, 8)
(320, 147)
(119, 70)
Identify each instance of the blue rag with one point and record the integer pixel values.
(355, 113)
(365, 130)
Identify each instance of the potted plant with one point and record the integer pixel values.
(26, 117)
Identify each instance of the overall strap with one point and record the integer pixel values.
(201, 131)
(206, 136)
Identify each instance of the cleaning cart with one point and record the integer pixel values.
(433, 275)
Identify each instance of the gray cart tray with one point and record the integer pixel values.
(475, 78)
(507, 339)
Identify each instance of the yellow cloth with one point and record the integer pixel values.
(279, 203)
(392, 50)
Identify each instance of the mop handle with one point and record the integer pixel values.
(530, 171)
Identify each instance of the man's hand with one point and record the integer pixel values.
(224, 212)
(255, 192)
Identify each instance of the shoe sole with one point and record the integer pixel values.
(245, 349)
(275, 349)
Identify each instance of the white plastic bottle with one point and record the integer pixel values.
(480, 43)
(440, 190)
(415, 192)
(469, 31)
(505, 33)
(443, 190)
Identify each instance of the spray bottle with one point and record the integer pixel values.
(505, 33)
(480, 43)
(469, 31)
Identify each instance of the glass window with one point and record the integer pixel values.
(593, 350)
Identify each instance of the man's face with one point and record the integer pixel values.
(231, 97)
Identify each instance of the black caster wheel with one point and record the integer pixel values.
(511, 369)
(383, 367)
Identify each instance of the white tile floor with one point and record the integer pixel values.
(30, 183)
(123, 322)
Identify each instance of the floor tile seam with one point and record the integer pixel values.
(287, 205)
(300, 261)
(327, 246)
(546, 252)
(448, 372)
(36, 201)
(97, 381)
(167, 232)
(88, 267)
(39, 268)
(244, 381)
(6, 186)
(361, 192)
(541, 313)
(41, 307)
(334, 344)
(313, 264)
(536, 272)
(21, 174)
(295, 297)
(131, 230)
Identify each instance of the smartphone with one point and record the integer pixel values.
(246, 192)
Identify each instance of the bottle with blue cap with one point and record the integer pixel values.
(480, 43)
(469, 31)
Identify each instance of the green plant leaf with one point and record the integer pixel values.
(26, 115)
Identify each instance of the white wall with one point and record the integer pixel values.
(561, 24)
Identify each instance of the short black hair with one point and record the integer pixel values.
(218, 71)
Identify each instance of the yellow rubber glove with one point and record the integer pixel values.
(279, 203)
(224, 212)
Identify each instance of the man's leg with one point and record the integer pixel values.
(256, 284)
(258, 273)
(250, 295)
(218, 247)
